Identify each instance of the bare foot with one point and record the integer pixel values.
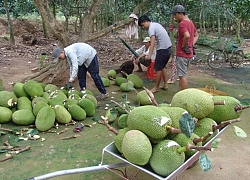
(154, 90)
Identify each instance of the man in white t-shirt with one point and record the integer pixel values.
(143, 53)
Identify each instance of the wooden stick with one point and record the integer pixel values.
(70, 137)
(63, 131)
(116, 103)
(151, 96)
(6, 158)
(70, 123)
(110, 128)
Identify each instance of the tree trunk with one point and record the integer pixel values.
(11, 40)
(55, 28)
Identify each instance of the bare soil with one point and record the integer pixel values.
(230, 160)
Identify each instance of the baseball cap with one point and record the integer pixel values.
(55, 53)
(146, 39)
(178, 9)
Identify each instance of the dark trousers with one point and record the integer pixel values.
(93, 70)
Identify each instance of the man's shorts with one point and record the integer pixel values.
(162, 57)
(182, 65)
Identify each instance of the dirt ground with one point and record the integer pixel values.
(231, 160)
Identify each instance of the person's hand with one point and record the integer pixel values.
(186, 49)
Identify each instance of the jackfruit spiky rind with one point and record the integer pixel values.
(19, 91)
(138, 82)
(88, 106)
(111, 74)
(119, 137)
(120, 80)
(203, 127)
(24, 103)
(5, 115)
(77, 113)
(174, 113)
(126, 87)
(70, 102)
(183, 140)
(105, 81)
(198, 103)
(142, 98)
(38, 106)
(91, 98)
(62, 114)
(136, 147)
(33, 88)
(23, 117)
(57, 98)
(122, 120)
(45, 118)
(50, 88)
(37, 99)
(149, 119)
(225, 112)
(5, 96)
(165, 159)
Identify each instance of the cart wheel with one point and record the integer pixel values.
(237, 58)
(216, 59)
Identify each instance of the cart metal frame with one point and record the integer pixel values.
(112, 150)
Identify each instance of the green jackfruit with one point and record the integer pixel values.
(198, 103)
(69, 102)
(174, 113)
(136, 147)
(138, 82)
(165, 159)
(33, 88)
(46, 96)
(111, 115)
(38, 106)
(85, 91)
(142, 98)
(24, 103)
(120, 80)
(62, 115)
(126, 87)
(119, 137)
(8, 99)
(91, 98)
(5, 115)
(183, 140)
(23, 117)
(122, 120)
(45, 118)
(73, 91)
(105, 81)
(111, 74)
(37, 99)
(64, 90)
(57, 98)
(50, 88)
(74, 96)
(225, 112)
(19, 91)
(149, 119)
(77, 113)
(203, 127)
(88, 106)
(42, 84)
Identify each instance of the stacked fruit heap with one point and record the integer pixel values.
(165, 136)
(44, 104)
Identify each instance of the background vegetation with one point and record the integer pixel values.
(95, 18)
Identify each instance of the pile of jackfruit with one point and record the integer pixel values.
(151, 135)
(45, 104)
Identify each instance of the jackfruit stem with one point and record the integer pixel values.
(222, 102)
(202, 139)
(151, 96)
(225, 123)
(110, 128)
(173, 130)
(124, 109)
(240, 108)
(198, 148)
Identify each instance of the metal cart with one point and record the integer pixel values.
(111, 149)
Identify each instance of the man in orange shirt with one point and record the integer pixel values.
(186, 38)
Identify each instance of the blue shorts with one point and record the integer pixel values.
(161, 59)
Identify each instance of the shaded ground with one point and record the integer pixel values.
(230, 160)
